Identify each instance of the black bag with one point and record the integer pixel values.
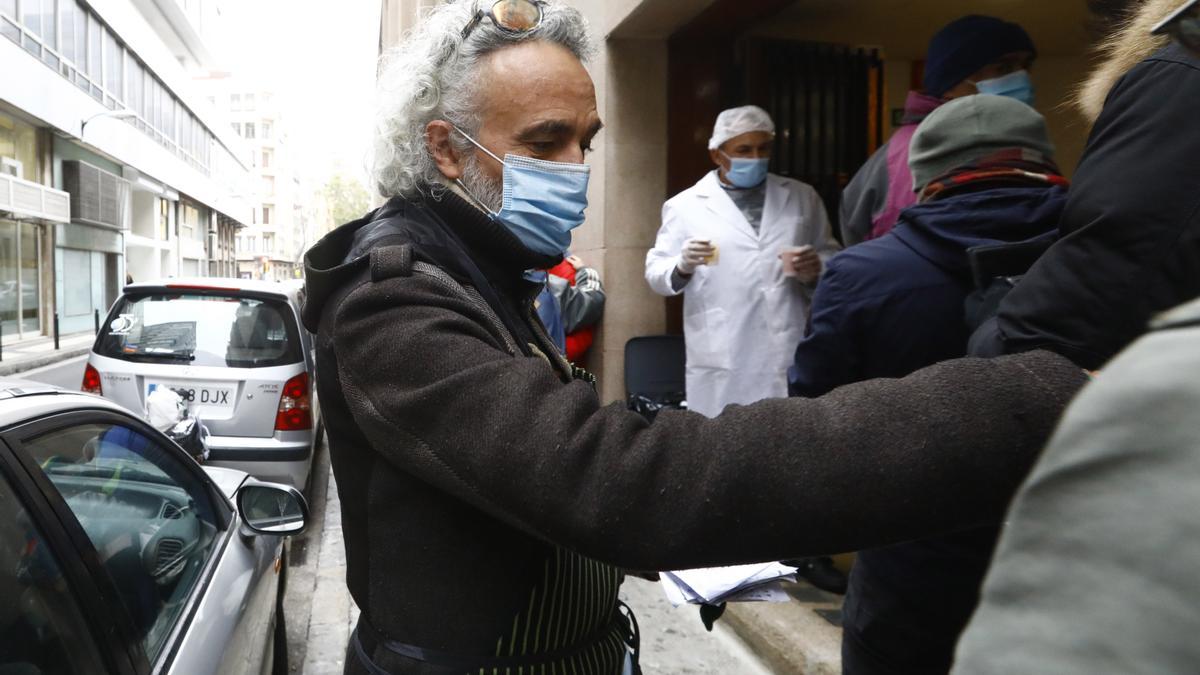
(996, 269)
(655, 374)
(191, 435)
(648, 407)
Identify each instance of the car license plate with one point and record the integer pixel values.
(203, 395)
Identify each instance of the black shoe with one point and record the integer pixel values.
(710, 613)
(821, 573)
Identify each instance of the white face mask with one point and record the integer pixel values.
(746, 173)
(1016, 85)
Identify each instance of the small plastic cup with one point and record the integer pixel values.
(713, 257)
(788, 256)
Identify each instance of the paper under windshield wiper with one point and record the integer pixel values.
(172, 356)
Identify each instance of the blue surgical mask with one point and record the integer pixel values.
(746, 173)
(1016, 85)
(543, 201)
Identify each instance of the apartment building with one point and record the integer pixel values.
(114, 168)
(272, 246)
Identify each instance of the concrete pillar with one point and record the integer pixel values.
(47, 293)
(629, 169)
(634, 187)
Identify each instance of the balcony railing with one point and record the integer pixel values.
(26, 199)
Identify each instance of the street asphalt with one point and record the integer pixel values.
(67, 374)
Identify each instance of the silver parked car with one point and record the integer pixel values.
(235, 350)
(119, 554)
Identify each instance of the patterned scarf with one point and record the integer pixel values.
(1013, 166)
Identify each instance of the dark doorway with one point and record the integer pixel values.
(112, 280)
(827, 102)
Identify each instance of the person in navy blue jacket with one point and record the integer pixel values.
(984, 170)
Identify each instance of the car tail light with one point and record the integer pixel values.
(295, 406)
(91, 380)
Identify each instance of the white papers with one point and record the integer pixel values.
(740, 583)
(771, 592)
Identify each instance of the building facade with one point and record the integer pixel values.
(29, 214)
(828, 70)
(272, 246)
(96, 100)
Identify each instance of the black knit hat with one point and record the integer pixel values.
(968, 44)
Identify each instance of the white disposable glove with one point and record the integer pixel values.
(695, 253)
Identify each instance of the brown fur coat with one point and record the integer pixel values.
(1129, 44)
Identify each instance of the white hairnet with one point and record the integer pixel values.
(737, 121)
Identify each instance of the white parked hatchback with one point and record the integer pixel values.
(236, 352)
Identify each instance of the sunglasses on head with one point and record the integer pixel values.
(1183, 25)
(510, 16)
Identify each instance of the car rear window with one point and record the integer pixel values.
(203, 330)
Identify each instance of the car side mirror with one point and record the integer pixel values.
(271, 509)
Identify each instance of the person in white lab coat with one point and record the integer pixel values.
(746, 248)
(724, 243)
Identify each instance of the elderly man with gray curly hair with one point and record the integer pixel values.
(490, 503)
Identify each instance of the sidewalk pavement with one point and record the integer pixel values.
(334, 613)
(23, 355)
(801, 636)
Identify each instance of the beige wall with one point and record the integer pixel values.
(902, 30)
(1056, 78)
(635, 188)
(896, 81)
(903, 27)
(628, 171)
(629, 181)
